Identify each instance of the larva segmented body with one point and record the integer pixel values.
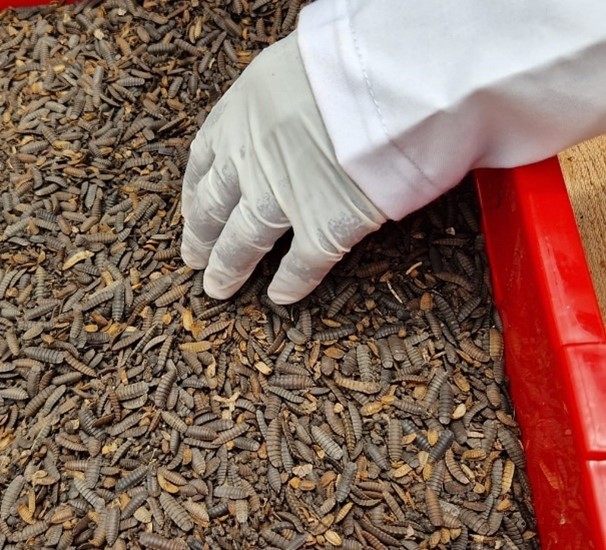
(161, 48)
(394, 440)
(444, 442)
(469, 216)
(496, 477)
(126, 423)
(493, 394)
(173, 295)
(474, 522)
(40, 310)
(345, 481)
(335, 333)
(467, 345)
(78, 365)
(98, 298)
(364, 363)
(272, 537)
(46, 355)
(433, 389)
(242, 511)
(454, 469)
(10, 496)
(376, 455)
(513, 447)
(246, 444)
(420, 441)
(293, 381)
(174, 421)
(230, 492)
(15, 394)
(447, 314)
(475, 409)
(112, 524)
(186, 47)
(436, 478)
(333, 420)
(337, 304)
(328, 445)
(52, 400)
(32, 531)
(273, 439)
(274, 479)
(410, 406)
(173, 477)
(132, 478)
(176, 512)
(356, 385)
(445, 404)
(73, 443)
(137, 500)
(285, 394)
(496, 345)
(38, 401)
(514, 533)
(296, 336)
(413, 354)
(157, 542)
(387, 360)
(164, 387)
(507, 477)
(213, 328)
(372, 269)
(348, 434)
(397, 348)
(90, 496)
(204, 433)
(305, 323)
(287, 459)
(456, 279)
(130, 391)
(356, 420)
(232, 433)
(197, 510)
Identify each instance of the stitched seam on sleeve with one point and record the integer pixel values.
(374, 96)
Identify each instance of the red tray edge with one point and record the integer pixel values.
(554, 337)
(5, 4)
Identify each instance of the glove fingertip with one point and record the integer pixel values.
(279, 295)
(216, 288)
(191, 258)
(217, 294)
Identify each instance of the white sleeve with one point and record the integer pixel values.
(415, 93)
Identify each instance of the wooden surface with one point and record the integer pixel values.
(584, 168)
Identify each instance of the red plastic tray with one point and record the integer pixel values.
(555, 348)
(554, 342)
(25, 3)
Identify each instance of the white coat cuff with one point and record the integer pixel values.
(335, 68)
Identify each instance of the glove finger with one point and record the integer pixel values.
(211, 206)
(200, 161)
(301, 271)
(247, 236)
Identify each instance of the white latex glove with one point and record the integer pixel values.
(261, 164)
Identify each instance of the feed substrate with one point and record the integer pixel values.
(137, 412)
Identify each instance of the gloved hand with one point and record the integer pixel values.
(262, 163)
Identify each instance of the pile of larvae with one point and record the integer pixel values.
(137, 412)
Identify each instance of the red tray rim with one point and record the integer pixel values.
(531, 233)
